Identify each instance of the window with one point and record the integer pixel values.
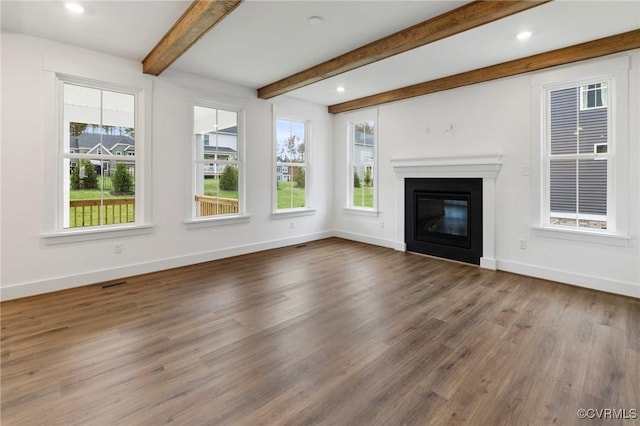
(362, 176)
(593, 96)
(99, 189)
(578, 156)
(216, 161)
(291, 148)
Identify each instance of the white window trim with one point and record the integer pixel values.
(55, 75)
(198, 222)
(220, 220)
(609, 156)
(308, 149)
(300, 211)
(617, 70)
(360, 117)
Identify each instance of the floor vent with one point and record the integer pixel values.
(114, 284)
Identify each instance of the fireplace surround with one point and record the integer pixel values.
(481, 167)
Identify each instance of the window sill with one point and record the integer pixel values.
(361, 212)
(581, 236)
(217, 221)
(73, 236)
(304, 211)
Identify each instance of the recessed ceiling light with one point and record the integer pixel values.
(74, 8)
(340, 89)
(315, 20)
(523, 35)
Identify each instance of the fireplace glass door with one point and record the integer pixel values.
(442, 218)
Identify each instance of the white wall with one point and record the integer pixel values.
(494, 118)
(490, 118)
(30, 267)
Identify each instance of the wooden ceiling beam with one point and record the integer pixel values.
(579, 52)
(464, 18)
(195, 22)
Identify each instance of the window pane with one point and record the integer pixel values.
(204, 120)
(216, 134)
(363, 133)
(291, 187)
(81, 118)
(290, 141)
(216, 189)
(563, 117)
(592, 195)
(579, 193)
(100, 192)
(592, 129)
(594, 95)
(118, 109)
(215, 168)
(98, 121)
(363, 160)
(563, 180)
(363, 186)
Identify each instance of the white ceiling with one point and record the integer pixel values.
(129, 29)
(265, 40)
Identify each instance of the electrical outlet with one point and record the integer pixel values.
(293, 225)
(523, 244)
(117, 249)
(525, 171)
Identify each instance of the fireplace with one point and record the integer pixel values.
(443, 217)
(473, 244)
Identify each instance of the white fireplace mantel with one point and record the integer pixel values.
(473, 166)
(486, 167)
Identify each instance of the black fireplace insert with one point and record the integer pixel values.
(443, 217)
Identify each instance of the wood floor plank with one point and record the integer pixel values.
(328, 332)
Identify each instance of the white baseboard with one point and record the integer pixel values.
(488, 263)
(586, 281)
(66, 282)
(367, 239)
(33, 288)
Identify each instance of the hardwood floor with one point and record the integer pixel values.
(330, 332)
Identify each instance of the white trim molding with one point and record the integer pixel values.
(472, 166)
(486, 167)
(571, 278)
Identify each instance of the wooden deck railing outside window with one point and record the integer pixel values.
(211, 206)
(101, 211)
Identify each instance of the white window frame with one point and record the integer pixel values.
(308, 149)
(609, 157)
(359, 118)
(56, 76)
(617, 71)
(197, 222)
